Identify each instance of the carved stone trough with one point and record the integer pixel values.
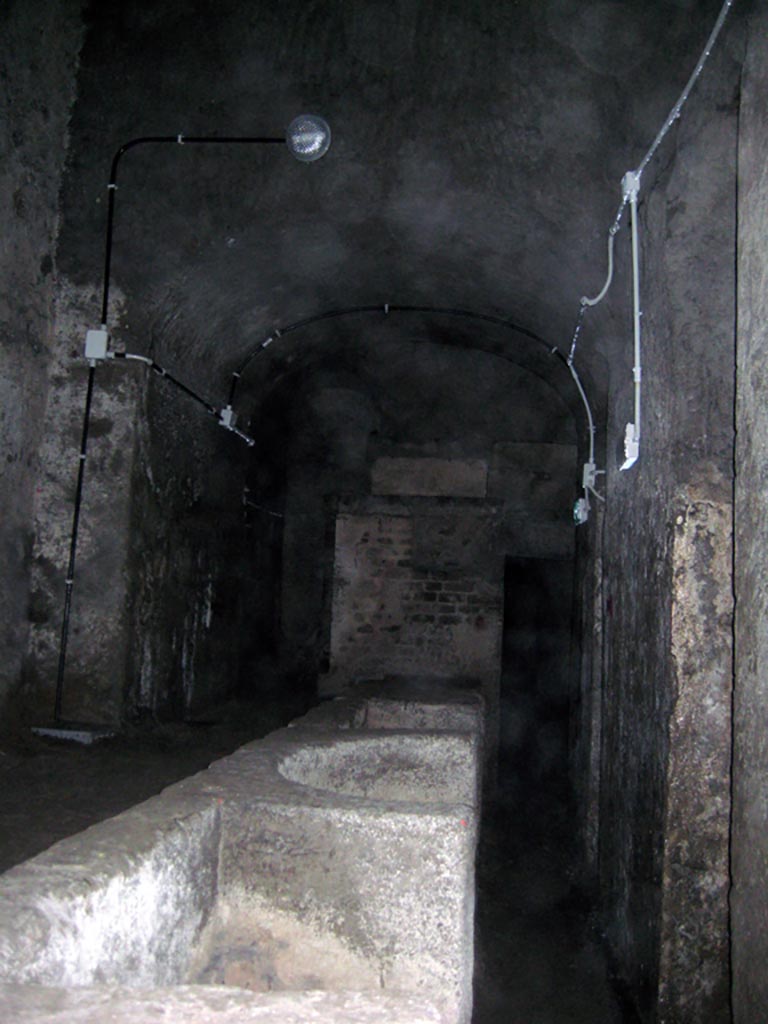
(325, 871)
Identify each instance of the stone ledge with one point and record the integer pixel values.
(199, 1004)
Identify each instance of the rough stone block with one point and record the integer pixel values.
(336, 857)
(122, 903)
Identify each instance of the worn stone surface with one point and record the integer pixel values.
(336, 855)
(749, 899)
(312, 859)
(461, 715)
(122, 903)
(694, 961)
(40, 46)
(411, 703)
(196, 1004)
(406, 916)
(399, 767)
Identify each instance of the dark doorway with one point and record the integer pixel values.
(537, 954)
(537, 668)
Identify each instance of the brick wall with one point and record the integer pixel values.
(417, 592)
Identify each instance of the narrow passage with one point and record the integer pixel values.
(538, 958)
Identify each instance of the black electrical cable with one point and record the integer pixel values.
(212, 410)
(162, 372)
(73, 547)
(467, 314)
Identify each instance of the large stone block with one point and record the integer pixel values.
(329, 856)
(122, 903)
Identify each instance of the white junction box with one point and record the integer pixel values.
(96, 343)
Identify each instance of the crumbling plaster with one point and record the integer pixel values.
(36, 96)
(749, 900)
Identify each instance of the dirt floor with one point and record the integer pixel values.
(537, 956)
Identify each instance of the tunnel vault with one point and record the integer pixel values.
(189, 494)
(477, 156)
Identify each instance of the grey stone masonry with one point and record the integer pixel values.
(328, 869)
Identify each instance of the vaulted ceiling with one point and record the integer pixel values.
(476, 160)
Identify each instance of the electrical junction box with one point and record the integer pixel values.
(228, 417)
(96, 343)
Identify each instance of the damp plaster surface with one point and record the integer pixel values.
(98, 638)
(36, 95)
(749, 903)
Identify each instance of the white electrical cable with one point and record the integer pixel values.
(673, 116)
(585, 301)
(613, 230)
(130, 355)
(630, 190)
(590, 419)
(239, 433)
(636, 312)
(674, 113)
(590, 471)
(632, 435)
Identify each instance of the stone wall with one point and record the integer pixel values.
(99, 638)
(749, 900)
(40, 42)
(667, 595)
(195, 555)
